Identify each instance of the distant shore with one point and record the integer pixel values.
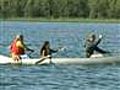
(63, 20)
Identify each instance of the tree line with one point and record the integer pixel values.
(60, 8)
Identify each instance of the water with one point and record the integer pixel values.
(60, 77)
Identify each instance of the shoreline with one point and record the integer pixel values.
(79, 20)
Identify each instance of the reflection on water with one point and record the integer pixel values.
(73, 77)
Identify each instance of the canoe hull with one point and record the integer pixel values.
(98, 60)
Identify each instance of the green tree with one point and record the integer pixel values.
(60, 8)
(117, 9)
(93, 8)
(78, 8)
(103, 8)
(28, 10)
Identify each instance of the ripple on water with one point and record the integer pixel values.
(60, 77)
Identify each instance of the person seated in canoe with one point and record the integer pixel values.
(46, 51)
(18, 48)
(91, 45)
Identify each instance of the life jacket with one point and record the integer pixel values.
(16, 50)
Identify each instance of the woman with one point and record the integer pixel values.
(46, 51)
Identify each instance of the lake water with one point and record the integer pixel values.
(60, 77)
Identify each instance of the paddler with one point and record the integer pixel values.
(46, 51)
(91, 45)
(18, 48)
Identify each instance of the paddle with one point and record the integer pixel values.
(42, 59)
(29, 53)
(102, 51)
(49, 56)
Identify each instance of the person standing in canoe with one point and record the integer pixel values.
(91, 45)
(46, 51)
(18, 48)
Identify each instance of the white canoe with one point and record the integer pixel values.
(93, 60)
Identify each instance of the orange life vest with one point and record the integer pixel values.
(16, 50)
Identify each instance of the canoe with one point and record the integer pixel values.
(93, 60)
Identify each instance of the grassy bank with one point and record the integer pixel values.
(64, 20)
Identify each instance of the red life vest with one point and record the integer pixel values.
(16, 50)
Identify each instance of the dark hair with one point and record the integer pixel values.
(20, 36)
(46, 43)
(44, 46)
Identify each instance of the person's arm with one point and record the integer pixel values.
(28, 49)
(99, 40)
(101, 50)
(53, 51)
(22, 45)
(43, 53)
(19, 44)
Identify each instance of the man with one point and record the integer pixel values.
(91, 45)
(18, 48)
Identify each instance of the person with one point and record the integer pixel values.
(91, 45)
(18, 48)
(46, 51)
